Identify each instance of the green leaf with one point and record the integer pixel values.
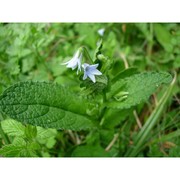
(47, 105)
(20, 148)
(135, 89)
(43, 133)
(112, 118)
(50, 142)
(143, 27)
(11, 150)
(12, 127)
(14, 149)
(46, 136)
(20, 141)
(27, 64)
(163, 37)
(30, 131)
(125, 73)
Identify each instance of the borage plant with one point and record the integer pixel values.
(101, 96)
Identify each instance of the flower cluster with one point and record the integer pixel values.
(89, 70)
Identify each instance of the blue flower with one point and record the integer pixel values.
(90, 71)
(75, 61)
(101, 31)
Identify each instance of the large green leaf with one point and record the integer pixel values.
(135, 89)
(47, 105)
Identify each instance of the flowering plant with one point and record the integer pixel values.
(93, 102)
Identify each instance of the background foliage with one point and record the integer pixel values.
(35, 52)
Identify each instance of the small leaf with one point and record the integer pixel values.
(46, 136)
(12, 127)
(43, 133)
(50, 142)
(20, 141)
(136, 89)
(47, 105)
(20, 148)
(14, 149)
(11, 150)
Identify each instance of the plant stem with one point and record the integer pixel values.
(104, 110)
(150, 41)
(86, 53)
(137, 119)
(115, 138)
(122, 55)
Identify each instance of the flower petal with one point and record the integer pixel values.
(92, 77)
(85, 76)
(72, 64)
(101, 31)
(96, 72)
(76, 55)
(94, 66)
(75, 61)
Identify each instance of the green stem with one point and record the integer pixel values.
(150, 42)
(152, 120)
(4, 136)
(86, 53)
(104, 109)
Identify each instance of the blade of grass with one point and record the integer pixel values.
(150, 123)
(166, 137)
